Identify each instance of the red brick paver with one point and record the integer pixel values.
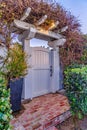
(43, 112)
(52, 128)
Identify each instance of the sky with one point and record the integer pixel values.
(78, 8)
(37, 42)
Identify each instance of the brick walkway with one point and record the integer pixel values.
(42, 113)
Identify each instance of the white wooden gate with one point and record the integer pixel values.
(42, 77)
(41, 71)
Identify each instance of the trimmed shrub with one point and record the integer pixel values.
(75, 83)
(5, 110)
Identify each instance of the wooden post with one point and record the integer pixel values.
(56, 68)
(27, 91)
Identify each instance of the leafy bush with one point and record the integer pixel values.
(5, 110)
(75, 83)
(15, 62)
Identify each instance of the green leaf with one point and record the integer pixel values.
(80, 116)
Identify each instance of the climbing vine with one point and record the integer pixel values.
(13, 9)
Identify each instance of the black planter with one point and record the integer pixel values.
(16, 93)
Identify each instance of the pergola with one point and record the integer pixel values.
(29, 31)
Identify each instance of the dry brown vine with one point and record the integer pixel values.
(13, 9)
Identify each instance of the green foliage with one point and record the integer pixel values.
(75, 83)
(5, 110)
(15, 63)
(84, 55)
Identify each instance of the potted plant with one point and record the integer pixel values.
(14, 68)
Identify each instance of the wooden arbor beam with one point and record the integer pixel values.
(29, 34)
(57, 43)
(22, 25)
(54, 25)
(47, 35)
(64, 29)
(26, 14)
(41, 20)
(30, 31)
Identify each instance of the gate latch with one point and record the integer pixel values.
(51, 70)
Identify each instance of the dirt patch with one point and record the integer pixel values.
(69, 125)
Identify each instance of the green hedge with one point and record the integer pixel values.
(75, 83)
(5, 110)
